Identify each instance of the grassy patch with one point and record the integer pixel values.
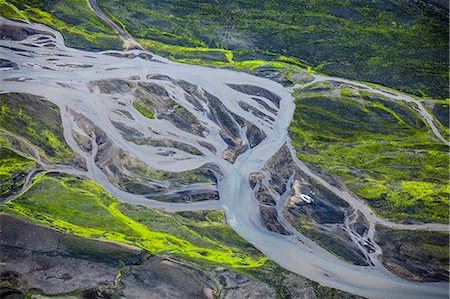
(13, 163)
(144, 109)
(38, 121)
(13, 169)
(84, 208)
(380, 149)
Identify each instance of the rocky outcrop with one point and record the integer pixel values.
(257, 91)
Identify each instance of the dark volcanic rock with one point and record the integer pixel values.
(417, 256)
(13, 32)
(257, 91)
(37, 257)
(5, 63)
(269, 216)
(142, 55)
(272, 73)
(112, 86)
(162, 278)
(264, 197)
(282, 166)
(186, 196)
(45, 261)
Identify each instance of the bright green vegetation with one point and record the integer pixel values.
(207, 230)
(13, 169)
(246, 60)
(144, 109)
(13, 163)
(403, 44)
(83, 208)
(80, 27)
(362, 40)
(36, 120)
(380, 149)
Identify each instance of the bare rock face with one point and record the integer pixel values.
(265, 197)
(54, 263)
(6, 64)
(237, 285)
(290, 200)
(145, 56)
(414, 256)
(161, 278)
(321, 216)
(11, 32)
(299, 288)
(282, 167)
(37, 257)
(255, 178)
(269, 216)
(257, 91)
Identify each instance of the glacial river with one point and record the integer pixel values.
(54, 72)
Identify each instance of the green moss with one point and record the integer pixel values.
(13, 163)
(144, 110)
(84, 208)
(13, 169)
(363, 40)
(38, 121)
(380, 149)
(8, 10)
(80, 27)
(219, 57)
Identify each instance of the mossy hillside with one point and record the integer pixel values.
(362, 40)
(381, 37)
(80, 27)
(241, 60)
(204, 55)
(379, 148)
(65, 203)
(13, 170)
(13, 163)
(36, 120)
(91, 33)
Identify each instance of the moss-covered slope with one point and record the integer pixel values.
(84, 208)
(401, 44)
(38, 121)
(80, 27)
(13, 170)
(379, 148)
